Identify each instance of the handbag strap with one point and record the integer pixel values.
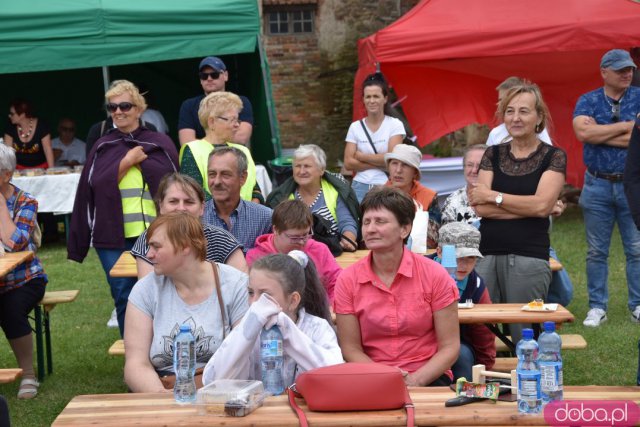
(216, 279)
(302, 418)
(364, 128)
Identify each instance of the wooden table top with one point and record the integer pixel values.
(11, 260)
(125, 266)
(152, 409)
(348, 258)
(511, 313)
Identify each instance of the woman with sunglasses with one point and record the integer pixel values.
(218, 115)
(114, 200)
(29, 135)
(292, 222)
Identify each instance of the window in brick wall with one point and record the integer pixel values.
(290, 21)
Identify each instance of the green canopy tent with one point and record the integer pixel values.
(61, 54)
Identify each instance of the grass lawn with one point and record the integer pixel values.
(81, 339)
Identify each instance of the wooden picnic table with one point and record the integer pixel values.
(349, 258)
(152, 409)
(125, 266)
(11, 260)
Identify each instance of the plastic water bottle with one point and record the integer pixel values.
(272, 360)
(528, 372)
(550, 363)
(184, 366)
(449, 260)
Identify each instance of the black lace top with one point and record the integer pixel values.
(523, 236)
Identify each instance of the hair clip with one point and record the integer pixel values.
(300, 257)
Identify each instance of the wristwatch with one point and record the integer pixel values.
(499, 199)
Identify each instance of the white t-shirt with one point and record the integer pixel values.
(390, 127)
(499, 134)
(75, 151)
(156, 296)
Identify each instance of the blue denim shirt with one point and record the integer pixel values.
(602, 158)
(248, 221)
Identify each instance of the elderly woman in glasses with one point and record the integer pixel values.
(218, 114)
(114, 200)
(23, 287)
(292, 230)
(326, 194)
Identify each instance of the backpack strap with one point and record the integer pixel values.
(364, 128)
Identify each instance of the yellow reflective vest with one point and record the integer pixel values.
(138, 209)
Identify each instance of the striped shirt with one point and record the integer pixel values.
(24, 210)
(220, 245)
(248, 221)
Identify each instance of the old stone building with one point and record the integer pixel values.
(311, 46)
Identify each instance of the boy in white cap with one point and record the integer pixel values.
(403, 165)
(477, 342)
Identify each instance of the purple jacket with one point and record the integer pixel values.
(97, 211)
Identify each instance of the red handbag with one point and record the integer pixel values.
(351, 387)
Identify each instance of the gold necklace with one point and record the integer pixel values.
(28, 133)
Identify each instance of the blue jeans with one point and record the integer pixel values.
(561, 287)
(120, 286)
(464, 364)
(604, 203)
(361, 189)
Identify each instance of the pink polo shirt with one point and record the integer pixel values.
(396, 323)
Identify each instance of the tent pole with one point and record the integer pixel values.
(105, 79)
(266, 81)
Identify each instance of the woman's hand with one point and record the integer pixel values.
(411, 380)
(480, 194)
(346, 245)
(558, 208)
(136, 155)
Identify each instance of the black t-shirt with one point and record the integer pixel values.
(30, 153)
(523, 236)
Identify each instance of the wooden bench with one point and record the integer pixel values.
(9, 375)
(43, 327)
(505, 364)
(569, 342)
(117, 348)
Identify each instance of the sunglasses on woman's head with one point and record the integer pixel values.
(213, 74)
(123, 106)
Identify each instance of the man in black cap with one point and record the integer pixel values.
(213, 77)
(603, 120)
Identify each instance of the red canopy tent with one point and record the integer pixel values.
(447, 57)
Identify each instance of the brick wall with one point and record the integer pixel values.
(312, 75)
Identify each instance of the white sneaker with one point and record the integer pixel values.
(595, 317)
(113, 320)
(635, 315)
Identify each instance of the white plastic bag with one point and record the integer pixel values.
(419, 231)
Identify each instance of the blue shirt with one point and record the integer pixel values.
(248, 221)
(602, 158)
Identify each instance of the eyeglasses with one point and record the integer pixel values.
(234, 121)
(213, 74)
(470, 165)
(299, 239)
(123, 106)
(615, 111)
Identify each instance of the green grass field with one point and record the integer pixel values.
(81, 339)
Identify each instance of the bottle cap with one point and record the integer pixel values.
(185, 328)
(527, 334)
(549, 326)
